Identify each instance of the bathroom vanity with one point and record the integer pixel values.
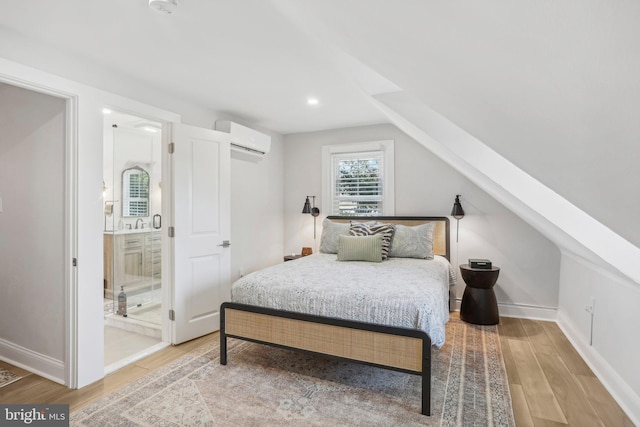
(136, 257)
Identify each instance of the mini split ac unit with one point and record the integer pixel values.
(246, 143)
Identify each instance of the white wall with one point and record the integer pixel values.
(257, 227)
(32, 278)
(425, 185)
(614, 353)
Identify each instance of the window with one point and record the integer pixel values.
(135, 192)
(358, 179)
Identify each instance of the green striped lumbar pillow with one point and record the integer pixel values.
(360, 248)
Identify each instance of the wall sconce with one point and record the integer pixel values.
(458, 213)
(308, 209)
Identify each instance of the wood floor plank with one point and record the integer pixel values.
(608, 409)
(521, 412)
(76, 399)
(538, 337)
(541, 422)
(14, 369)
(569, 394)
(540, 398)
(172, 353)
(161, 358)
(30, 389)
(198, 342)
(569, 355)
(509, 363)
(511, 328)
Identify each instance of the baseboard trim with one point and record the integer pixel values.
(524, 311)
(40, 364)
(628, 400)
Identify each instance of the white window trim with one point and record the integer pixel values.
(386, 146)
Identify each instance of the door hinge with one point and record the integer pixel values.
(172, 315)
(172, 232)
(74, 262)
(172, 147)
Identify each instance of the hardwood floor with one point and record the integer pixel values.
(35, 389)
(550, 383)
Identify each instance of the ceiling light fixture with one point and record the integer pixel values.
(106, 111)
(164, 6)
(312, 101)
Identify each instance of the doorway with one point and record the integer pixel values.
(36, 228)
(132, 206)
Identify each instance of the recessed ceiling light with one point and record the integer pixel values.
(163, 6)
(106, 111)
(312, 101)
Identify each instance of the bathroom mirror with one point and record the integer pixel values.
(135, 192)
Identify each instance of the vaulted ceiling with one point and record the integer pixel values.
(551, 87)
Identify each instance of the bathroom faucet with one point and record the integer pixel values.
(139, 219)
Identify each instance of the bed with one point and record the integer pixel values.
(324, 305)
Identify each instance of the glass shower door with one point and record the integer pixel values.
(133, 173)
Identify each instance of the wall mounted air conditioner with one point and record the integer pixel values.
(246, 143)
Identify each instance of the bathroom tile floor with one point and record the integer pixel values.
(120, 344)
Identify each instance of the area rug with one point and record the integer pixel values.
(267, 386)
(7, 377)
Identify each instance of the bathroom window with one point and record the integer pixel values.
(135, 192)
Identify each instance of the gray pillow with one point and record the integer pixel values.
(413, 242)
(330, 232)
(360, 248)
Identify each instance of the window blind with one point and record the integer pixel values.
(357, 187)
(138, 195)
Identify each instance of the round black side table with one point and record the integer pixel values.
(479, 305)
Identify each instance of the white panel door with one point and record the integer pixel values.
(201, 219)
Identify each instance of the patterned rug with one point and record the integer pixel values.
(266, 386)
(7, 377)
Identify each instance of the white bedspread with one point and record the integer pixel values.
(402, 292)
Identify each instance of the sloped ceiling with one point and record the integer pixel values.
(552, 87)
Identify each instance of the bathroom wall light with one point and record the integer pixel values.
(313, 101)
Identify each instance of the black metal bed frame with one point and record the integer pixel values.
(425, 372)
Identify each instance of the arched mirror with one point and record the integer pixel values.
(135, 192)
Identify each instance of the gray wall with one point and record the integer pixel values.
(32, 248)
(424, 185)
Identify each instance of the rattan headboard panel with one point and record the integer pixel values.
(440, 232)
